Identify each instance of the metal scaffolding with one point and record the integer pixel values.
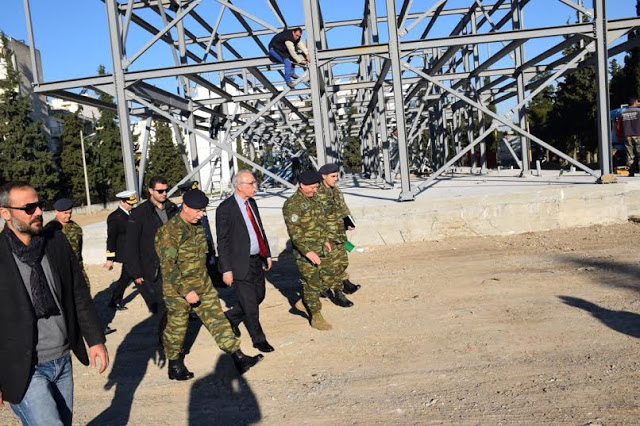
(425, 70)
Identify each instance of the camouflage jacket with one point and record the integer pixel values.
(335, 210)
(182, 251)
(306, 223)
(73, 232)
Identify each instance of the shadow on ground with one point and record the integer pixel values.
(223, 398)
(621, 321)
(612, 273)
(129, 369)
(285, 277)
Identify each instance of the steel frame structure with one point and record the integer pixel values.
(439, 82)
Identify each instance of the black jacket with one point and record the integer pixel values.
(117, 235)
(277, 43)
(233, 237)
(18, 322)
(144, 222)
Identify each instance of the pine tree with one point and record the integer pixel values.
(107, 166)
(164, 156)
(24, 152)
(71, 168)
(539, 113)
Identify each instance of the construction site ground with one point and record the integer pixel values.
(538, 328)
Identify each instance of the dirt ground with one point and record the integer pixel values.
(530, 329)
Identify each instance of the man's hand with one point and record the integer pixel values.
(304, 63)
(108, 265)
(99, 351)
(351, 228)
(192, 297)
(269, 264)
(313, 257)
(328, 246)
(138, 281)
(308, 57)
(227, 278)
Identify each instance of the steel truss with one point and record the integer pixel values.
(441, 82)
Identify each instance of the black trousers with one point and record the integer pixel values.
(250, 292)
(121, 285)
(151, 291)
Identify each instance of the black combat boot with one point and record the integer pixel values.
(340, 299)
(326, 294)
(244, 362)
(349, 288)
(177, 370)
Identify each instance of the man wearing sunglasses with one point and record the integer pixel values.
(142, 261)
(45, 310)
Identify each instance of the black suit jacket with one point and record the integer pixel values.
(116, 235)
(143, 223)
(233, 237)
(19, 324)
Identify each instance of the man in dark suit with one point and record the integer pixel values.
(117, 243)
(142, 261)
(244, 256)
(45, 310)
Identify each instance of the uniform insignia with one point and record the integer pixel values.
(294, 218)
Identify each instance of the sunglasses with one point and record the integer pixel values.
(29, 208)
(161, 191)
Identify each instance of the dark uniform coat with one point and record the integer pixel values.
(116, 235)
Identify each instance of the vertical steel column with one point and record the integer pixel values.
(602, 82)
(516, 19)
(32, 44)
(144, 154)
(478, 83)
(311, 25)
(188, 93)
(394, 53)
(121, 96)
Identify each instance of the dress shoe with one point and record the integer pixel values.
(263, 346)
(326, 294)
(319, 323)
(177, 370)
(244, 362)
(291, 84)
(349, 288)
(234, 328)
(341, 300)
(118, 306)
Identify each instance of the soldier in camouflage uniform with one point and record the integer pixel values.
(336, 209)
(71, 230)
(181, 246)
(314, 253)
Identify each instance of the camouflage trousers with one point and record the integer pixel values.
(210, 313)
(319, 278)
(632, 146)
(343, 259)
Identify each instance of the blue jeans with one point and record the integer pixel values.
(288, 65)
(49, 397)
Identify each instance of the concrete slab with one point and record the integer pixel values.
(497, 203)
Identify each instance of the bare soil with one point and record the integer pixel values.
(530, 329)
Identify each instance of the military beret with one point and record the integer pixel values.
(190, 184)
(63, 204)
(309, 177)
(128, 197)
(195, 199)
(328, 168)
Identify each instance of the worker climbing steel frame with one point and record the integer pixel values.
(433, 82)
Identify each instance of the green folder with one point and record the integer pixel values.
(349, 246)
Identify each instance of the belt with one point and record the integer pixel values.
(254, 256)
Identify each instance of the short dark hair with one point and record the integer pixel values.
(156, 180)
(633, 100)
(293, 30)
(6, 189)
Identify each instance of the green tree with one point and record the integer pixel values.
(24, 152)
(539, 113)
(351, 157)
(72, 174)
(164, 156)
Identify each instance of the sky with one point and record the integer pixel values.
(72, 35)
